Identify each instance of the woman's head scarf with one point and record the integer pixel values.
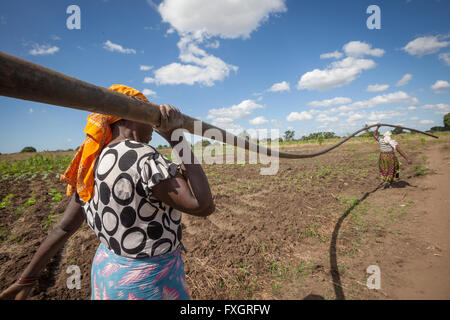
(387, 139)
(79, 176)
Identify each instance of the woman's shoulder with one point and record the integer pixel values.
(127, 145)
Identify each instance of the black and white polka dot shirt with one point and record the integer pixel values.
(122, 212)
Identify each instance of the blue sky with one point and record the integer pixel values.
(307, 66)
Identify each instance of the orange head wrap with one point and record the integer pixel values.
(79, 176)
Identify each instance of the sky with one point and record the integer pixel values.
(306, 66)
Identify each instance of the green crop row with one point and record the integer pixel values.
(34, 165)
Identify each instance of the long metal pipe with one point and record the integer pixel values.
(25, 80)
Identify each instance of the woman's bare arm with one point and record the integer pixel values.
(70, 222)
(375, 134)
(397, 147)
(189, 193)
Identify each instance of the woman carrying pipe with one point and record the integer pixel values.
(388, 162)
(132, 197)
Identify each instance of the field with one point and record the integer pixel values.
(309, 232)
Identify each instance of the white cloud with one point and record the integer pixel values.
(45, 49)
(325, 118)
(440, 108)
(377, 87)
(213, 45)
(30, 110)
(200, 67)
(69, 140)
(113, 47)
(337, 74)
(411, 108)
(404, 80)
(330, 102)
(55, 37)
(354, 116)
(426, 121)
(380, 115)
(223, 18)
(241, 110)
(336, 55)
(445, 57)
(145, 68)
(359, 49)
(440, 85)
(258, 120)
(148, 92)
(414, 118)
(196, 23)
(425, 45)
(395, 97)
(280, 86)
(295, 116)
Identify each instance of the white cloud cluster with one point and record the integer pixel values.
(330, 102)
(258, 121)
(426, 45)
(440, 85)
(44, 49)
(199, 67)
(148, 92)
(377, 87)
(295, 116)
(360, 49)
(113, 47)
(445, 57)
(222, 18)
(145, 68)
(196, 22)
(341, 72)
(225, 117)
(440, 108)
(279, 87)
(404, 80)
(336, 55)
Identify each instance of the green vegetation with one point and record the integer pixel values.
(5, 201)
(28, 149)
(30, 202)
(56, 196)
(447, 120)
(47, 222)
(32, 166)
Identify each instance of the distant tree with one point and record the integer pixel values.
(28, 149)
(289, 135)
(440, 129)
(320, 139)
(244, 134)
(447, 120)
(397, 130)
(366, 134)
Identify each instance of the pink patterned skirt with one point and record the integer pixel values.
(389, 166)
(115, 277)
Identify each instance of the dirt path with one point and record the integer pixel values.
(427, 275)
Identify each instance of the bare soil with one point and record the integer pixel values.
(309, 232)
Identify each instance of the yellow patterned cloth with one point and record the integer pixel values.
(79, 176)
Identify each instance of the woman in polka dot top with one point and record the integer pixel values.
(136, 212)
